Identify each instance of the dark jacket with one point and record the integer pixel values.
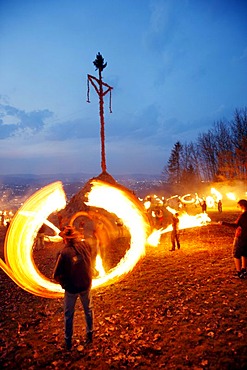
(241, 222)
(175, 224)
(73, 268)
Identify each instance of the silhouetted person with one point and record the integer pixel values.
(73, 271)
(220, 206)
(159, 217)
(204, 206)
(175, 232)
(40, 240)
(240, 239)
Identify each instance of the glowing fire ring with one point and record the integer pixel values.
(184, 199)
(122, 204)
(20, 238)
(210, 201)
(27, 221)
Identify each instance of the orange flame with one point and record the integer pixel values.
(20, 237)
(147, 204)
(187, 199)
(210, 201)
(117, 201)
(185, 222)
(99, 266)
(27, 221)
(216, 194)
(231, 196)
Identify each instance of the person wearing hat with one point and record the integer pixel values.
(240, 239)
(73, 271)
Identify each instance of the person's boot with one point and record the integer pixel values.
(89, 338)
(173, 247)
(68, 344)
(240, 275)
(244, 272)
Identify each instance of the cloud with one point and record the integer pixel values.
(163, 24)
(134, 156)
(6, 130)
(36, 156)
(149, 126)
(42, 125)
(14, 121)
(140, 125)
(79, 128)
(160, 25)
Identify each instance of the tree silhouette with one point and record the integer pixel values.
(217, 155)
(174, 163)
(99, 63)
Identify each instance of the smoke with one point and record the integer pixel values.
(230, 190)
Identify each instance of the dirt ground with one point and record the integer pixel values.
(175, 310)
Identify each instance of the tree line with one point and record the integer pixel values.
(220, 154)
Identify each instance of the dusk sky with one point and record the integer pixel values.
(176, 67)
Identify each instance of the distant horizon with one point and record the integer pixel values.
(33, 180)
(76, 175)
(176, 69)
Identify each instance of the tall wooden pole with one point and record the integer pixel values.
(102, 123)
(99, 86)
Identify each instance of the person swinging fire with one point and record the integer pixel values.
(175, 232)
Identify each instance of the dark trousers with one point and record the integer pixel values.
(175, 240)
(69, 309)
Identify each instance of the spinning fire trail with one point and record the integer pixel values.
(19, 264)
(27, 221)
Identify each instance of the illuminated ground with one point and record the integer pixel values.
(176, 310)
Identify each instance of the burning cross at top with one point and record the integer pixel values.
(102, 89)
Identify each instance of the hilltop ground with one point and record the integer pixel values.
(175, 310)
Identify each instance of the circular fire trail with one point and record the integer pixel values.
(117, 201)
(20, 237)
(27, 221)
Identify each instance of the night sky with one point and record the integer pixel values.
(175, 66)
